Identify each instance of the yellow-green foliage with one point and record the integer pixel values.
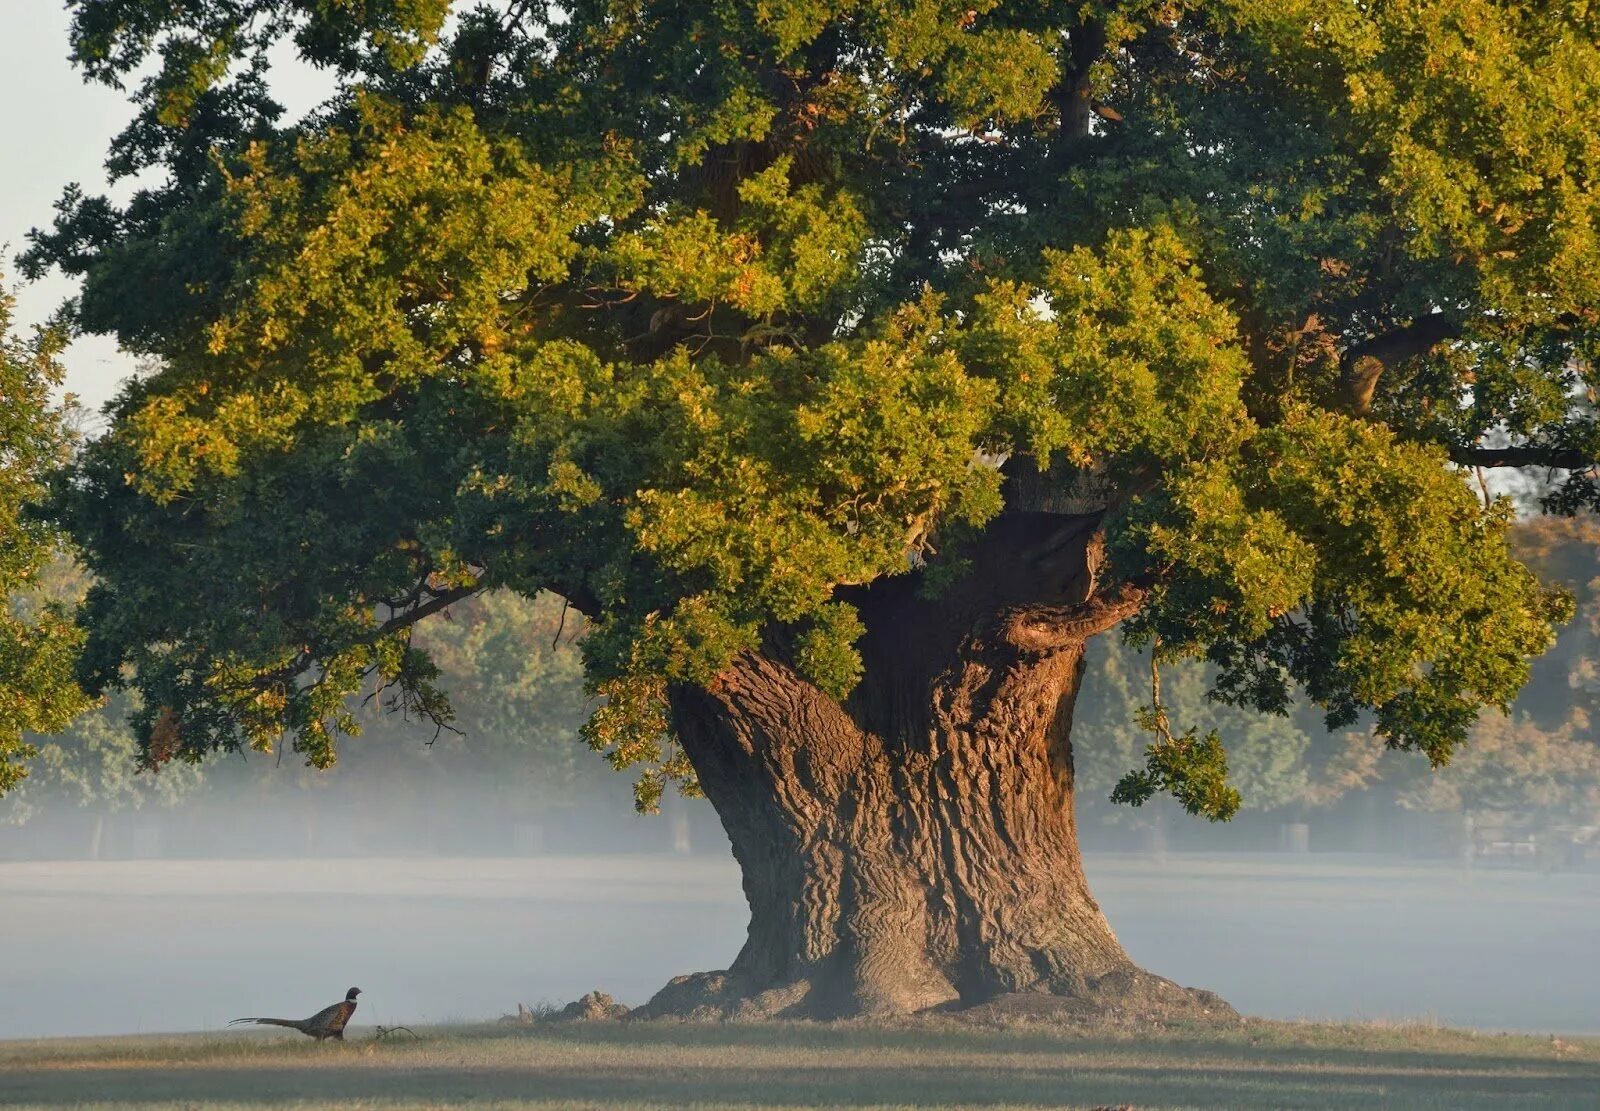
(38, 639)
(702, 315)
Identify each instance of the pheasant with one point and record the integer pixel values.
(326, 1023)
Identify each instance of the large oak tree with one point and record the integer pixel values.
(847, 365)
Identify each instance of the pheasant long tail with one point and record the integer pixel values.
(291, 1023)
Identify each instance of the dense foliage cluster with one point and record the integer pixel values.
(1536, 768)
(697, 314)
(38, 641)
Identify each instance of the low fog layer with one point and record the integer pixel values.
(504, 865)
(132, 945)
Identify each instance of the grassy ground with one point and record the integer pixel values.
(1258, 1065)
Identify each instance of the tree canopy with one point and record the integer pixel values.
(702, 316)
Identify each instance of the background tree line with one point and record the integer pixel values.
(513, 757)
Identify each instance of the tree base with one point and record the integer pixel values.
(1132, 997)
(1128, 996)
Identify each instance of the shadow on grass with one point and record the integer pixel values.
(770, 1087)
(662, 1069)
(1266, 1039)
(1268, 1044)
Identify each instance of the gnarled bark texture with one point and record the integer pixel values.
(914, 847)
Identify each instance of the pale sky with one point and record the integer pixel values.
(54, 129)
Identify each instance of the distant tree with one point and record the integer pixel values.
(1566, 552)
(848, 367)
(1268, 755)
(93, 762)
(1534, 768)
(516, 680)
(94, 765)
(1538, 768)
(513, 739)
(1517, 771)
(38, 640)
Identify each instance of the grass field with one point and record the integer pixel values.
(1258, 1065)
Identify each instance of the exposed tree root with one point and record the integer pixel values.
(1126, 996)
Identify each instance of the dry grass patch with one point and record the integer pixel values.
(778, 1066)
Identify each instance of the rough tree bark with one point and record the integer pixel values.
(914, 847)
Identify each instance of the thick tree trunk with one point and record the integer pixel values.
(914, 847)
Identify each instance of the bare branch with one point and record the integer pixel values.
(556, 641)
(1526, 455)
(439, 729)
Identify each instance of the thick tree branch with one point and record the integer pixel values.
(1363, 364)
(307, 656)
(1552, 458)
(1072, 95)
(416, 613)
(1038, 629)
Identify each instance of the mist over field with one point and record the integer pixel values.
(586, 896)
(453, 876)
